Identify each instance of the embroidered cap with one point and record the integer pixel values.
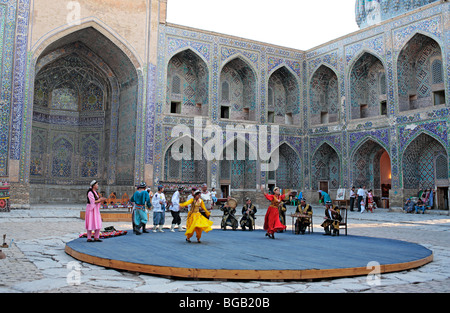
(142, 185)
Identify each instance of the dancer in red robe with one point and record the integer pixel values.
(272, 221)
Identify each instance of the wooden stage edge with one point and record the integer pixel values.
(112, 216)
(241, 275)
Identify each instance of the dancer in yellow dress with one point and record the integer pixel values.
(196, 222)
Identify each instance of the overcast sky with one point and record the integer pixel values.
(300, 24)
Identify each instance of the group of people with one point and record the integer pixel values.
(423, 202)
(248, 215)
(363, 199)
(199, 203)
(197, 220)
(198, 216)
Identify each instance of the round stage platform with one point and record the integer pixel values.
(239, 255)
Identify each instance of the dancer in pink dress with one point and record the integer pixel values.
(93, 218)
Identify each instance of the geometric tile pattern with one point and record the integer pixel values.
(283, 97)
(370, 12)
(325, 167)
(405, 57)
(324, 94)
(416, 66)
(365, 67)
(365, 86)
(69, 95)
(191, 170)
(419, 162)
(366, 165)
(287, 175)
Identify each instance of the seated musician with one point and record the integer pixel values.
(303, 221)
(332, 219)
(228, 218)
(248, 215)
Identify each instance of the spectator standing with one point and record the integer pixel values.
(159, 210)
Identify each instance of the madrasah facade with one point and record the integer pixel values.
(93, 89)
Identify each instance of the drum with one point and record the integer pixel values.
(232, 203)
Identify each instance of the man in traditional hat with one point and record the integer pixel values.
(248, 215)
(303, 221)
(140, 199)
(228, 218)
(332, 219)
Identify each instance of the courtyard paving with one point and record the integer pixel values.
(36, 261)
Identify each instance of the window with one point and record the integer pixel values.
(175, 107)
(176, 85)
(270, 97)
(383, 85)
(225, 92)
(441, 167)
(324, 117)
(364, 108)
(289, 119)
(224, 112)
(439, 97)
(383, 108)
(271, 117)
(246, 112)
(437, 72)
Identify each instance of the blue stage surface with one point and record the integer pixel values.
(250, 255)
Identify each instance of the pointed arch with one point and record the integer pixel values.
(62, 158)
(405, 41)
(242, 58)
(242, 79)
(46, 42)
(325, 167)
(240, 171)
(188, 70)
(352, 62)
(321, 65)
(415, 86)
(419, 162)
(285, 142)
(189, 166)
(191, 50)
(324, 96)
(365, 91)
(106, 73)
(288, 175)
(363, 141)
(288, 68)
(366, 164)
(283, 86)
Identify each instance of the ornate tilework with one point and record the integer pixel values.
(367, 67)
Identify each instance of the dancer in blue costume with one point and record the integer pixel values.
(141, 200)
